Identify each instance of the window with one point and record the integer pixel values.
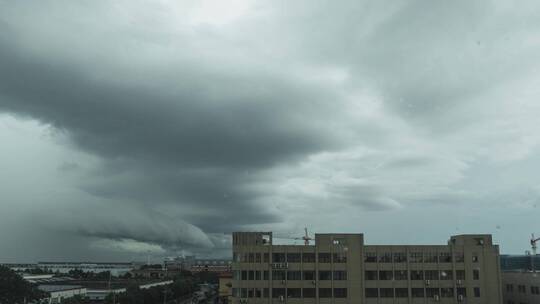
(521, 288)
(244, 293)
(445, 275)
(266, 292)
(235, 292)
(461, 292)
(386, 292)
(250, 293)
(325, 275)
(294, 275)
(325, 292)
(430, 257)
(278, 258)
(293, 257)
(475, 258)
(309, 293)
(476, 274)
(447, 292)
(477, 292)
(417, 275)
(385, 275)
(265, 275)
(278, 275)
(258, 293)
(340, 258)
(257, 275)
(244, 275)
(371, 275)
(372, 293)
(385, 258)
(308, 257)
(431, 274)
(416, 257)
(340, 275)
(509, 287)
(340, 292)
(251, 275)
(324, 257)
(459, 257)
(535, 290)
(294, 292)
(278, 292)
(257, 257)
(432, 292)
(266, 258)
(245, 257)
(460, 274)
(400, 275)
(400, 257)
(445, 257)
(417, 292)
(402, 293)
(236, 257)
(370, 257)
(309, 275)
(252, 258)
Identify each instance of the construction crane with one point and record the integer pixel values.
(306, 237)
(533, 247)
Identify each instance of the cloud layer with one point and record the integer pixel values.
(162, 125)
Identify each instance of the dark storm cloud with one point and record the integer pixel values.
(190, 141)
(192, 121)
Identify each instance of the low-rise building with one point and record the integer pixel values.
(225, 288)
(58, 293)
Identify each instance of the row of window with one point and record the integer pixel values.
(418, 275)
(255, 275)
(418, 292)
(290, 292)
(369, 257)
(342, 292)
(416, 257)
(279, 257)
(535, 290)
(370, 275)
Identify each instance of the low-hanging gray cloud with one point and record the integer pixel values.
(191, 121)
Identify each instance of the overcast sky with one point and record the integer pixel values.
(135, 127)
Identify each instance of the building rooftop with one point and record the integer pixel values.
(54, 288)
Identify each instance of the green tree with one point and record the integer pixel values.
(14, 289)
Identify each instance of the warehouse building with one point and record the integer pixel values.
(340, 269)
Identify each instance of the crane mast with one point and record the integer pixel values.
(533, 247)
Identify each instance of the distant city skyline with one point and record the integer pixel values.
(136, 128)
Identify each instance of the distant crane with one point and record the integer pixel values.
(533, 247)
(306, 237)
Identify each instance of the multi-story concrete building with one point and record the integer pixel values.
(521, 287)
(341, 269)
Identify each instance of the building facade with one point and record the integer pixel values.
(521, 287)
(341, 269)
